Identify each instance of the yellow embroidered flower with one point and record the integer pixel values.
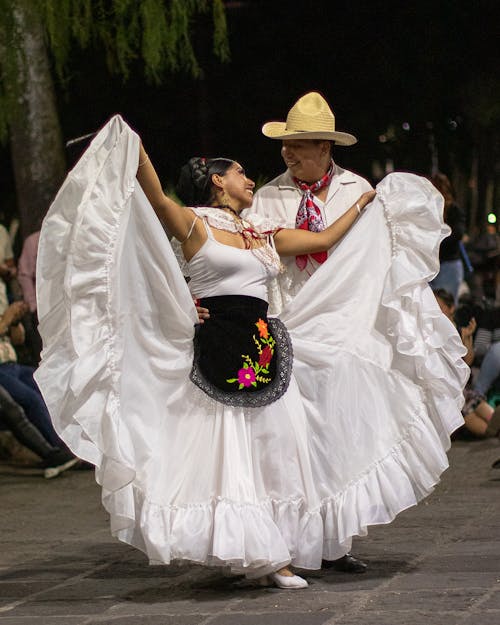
(262, 327)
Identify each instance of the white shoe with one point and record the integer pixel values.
(51, 472)
(290, 582)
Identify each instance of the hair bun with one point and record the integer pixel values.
(199, 171)
(192, 180)
(194, 187)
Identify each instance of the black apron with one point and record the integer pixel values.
(241, 358)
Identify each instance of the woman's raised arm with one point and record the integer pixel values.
(294, 242)
(178, 219)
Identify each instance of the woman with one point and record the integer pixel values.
(249, 459)
(451, 273)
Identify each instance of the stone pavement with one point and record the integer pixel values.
(436, 564)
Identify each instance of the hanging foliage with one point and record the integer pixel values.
(155, 33)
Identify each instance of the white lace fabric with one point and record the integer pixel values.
(219, 219)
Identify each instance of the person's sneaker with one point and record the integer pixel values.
(57, 462)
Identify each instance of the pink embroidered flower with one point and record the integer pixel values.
(246, 376)
(265, 357)
(262, 326)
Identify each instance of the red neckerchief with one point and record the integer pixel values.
(309, 215)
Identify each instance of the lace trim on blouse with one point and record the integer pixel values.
(264, 229)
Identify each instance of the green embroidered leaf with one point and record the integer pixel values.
(231, 380)
(257, 343)
(262, 379)
(254, 383)
(240, 387)
(245, 365)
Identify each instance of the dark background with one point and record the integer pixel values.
(431, 65)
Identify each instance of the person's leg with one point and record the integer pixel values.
(25, 374)
(26, 433)
(30, 399)
(489, 370)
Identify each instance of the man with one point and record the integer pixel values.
(312, 193)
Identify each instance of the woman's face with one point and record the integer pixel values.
(238, 187)
(449, 311)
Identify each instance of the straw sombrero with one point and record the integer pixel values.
(309, 118)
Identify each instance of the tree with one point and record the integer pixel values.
(36, 40)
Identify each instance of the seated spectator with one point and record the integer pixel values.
(484, 252)
(26, 277)
(17, 379)
(451, 273)
(55, 459)
(487, 350)
(7, 266)
(480, 418)
(489, 369)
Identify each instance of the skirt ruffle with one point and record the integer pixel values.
(360, 434)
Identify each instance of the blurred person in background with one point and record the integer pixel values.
(451, 272)
(481, 419)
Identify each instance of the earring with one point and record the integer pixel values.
(225, 200)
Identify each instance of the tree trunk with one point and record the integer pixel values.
(35, 133)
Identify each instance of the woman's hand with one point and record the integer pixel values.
(15, 312)
(291, 242)
(468, 330)
(366, 198)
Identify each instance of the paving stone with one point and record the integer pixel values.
(414, 617)
(475, 564)
(446, 579)
(436, 564)
(310, 600)
(482, 617)
(43, 620)
(147, 620)
(15, 590)
(493, 602)
(420, 600)
(52, 608)
(300, 618)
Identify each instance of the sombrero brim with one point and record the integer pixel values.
(277, 130)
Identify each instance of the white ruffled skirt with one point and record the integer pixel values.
(360, 435)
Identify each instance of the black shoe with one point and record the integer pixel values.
(347, 564)
(57, 462)
(495, 470)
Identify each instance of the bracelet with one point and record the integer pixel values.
(143, 162)
(359, 209)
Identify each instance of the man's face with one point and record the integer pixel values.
(307, 159)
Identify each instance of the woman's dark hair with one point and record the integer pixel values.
(446, 296)
(195, 187)
(444, 186)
